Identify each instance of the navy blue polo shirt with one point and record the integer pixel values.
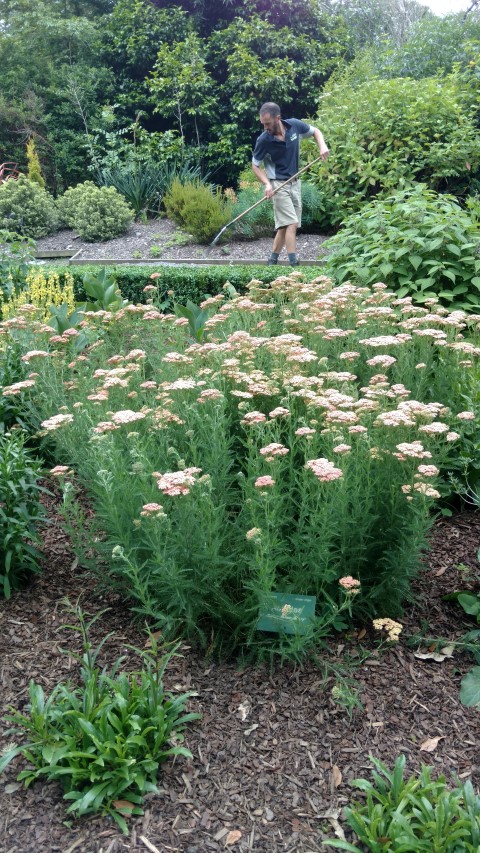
(281, 158)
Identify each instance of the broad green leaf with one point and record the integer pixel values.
(470, 688)
(415, 260)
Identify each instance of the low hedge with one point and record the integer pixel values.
(186, 282)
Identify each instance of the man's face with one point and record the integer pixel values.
(272, 124)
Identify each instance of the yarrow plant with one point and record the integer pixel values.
(297, 448)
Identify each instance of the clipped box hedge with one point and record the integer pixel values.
(186, 282)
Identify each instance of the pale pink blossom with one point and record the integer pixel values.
(466, 416)
(17, 387)
(274, 449)
(209, 394)
(452, 436)
(152, 509)
(127, 416)
(305, 431)
(342, 448)
(253, 418)
(324, 470)
(61, 471)
(175, 483)
(381, 360)
(350, 584)
(279, 412)
(428, 470)
(105, 426)
(435, 428)
(264, 482)
(34, 353)
(56, 421)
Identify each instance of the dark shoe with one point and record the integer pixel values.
(294, 263)
(271, 263)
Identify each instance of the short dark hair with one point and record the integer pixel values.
(270, 108)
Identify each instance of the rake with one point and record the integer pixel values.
(264, 198)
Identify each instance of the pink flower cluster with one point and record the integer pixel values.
(174, 483)
(264, 482)
(324, 470)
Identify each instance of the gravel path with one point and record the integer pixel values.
(162, 240)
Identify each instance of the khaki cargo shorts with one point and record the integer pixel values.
(287, 204)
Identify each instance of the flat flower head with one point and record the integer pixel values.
(127, 416)
(350, 585)
(324, 470)
(264, 482)
(56, 421)
(274, 449)
(392, 628)
(251, 418)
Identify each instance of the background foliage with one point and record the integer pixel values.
(94, 82)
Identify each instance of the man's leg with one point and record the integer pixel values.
(291, 238)
(277, 246)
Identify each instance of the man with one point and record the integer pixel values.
(279, 148)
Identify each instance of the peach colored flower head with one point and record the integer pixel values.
(264, 482)
(350, 585)
(274, 449)
(324, 470)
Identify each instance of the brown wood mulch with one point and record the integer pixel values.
(273, 753)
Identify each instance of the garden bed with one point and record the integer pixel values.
(273, 753)
(161, 239)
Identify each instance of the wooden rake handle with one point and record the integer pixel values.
(264, 198)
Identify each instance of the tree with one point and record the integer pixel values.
(181, 85)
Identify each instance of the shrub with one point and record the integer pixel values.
(69, 201)
(419, 813)
(419, 243)
(20, 512)
(103, 740)
(16, 255)
(140, 184)
(198, 209)
(34, 168)
(97, 213)
(297, 443)
(185, 282)
(386, 134)
(27, 208)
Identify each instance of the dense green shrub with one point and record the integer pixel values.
(385, 135)
(184, 282)
(25, 207)
(97, 213)
(201, 211)
(140, 184)
(20, 512)
(421, 244)
(69, 201)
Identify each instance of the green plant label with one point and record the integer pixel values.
(289, 614)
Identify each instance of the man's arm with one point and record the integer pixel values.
(262, 177)
(322, 146)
